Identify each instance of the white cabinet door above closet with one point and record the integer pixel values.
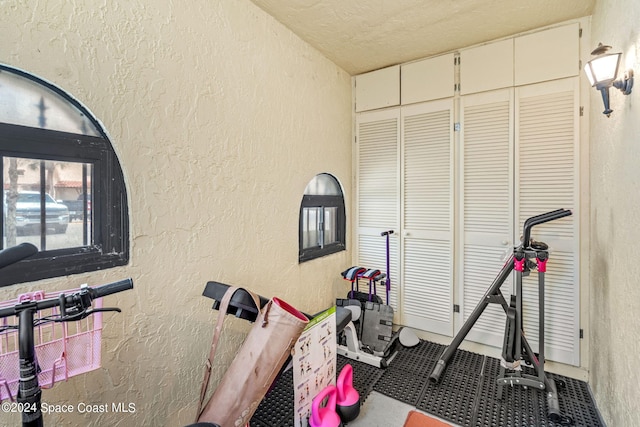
(428, 79)
(547, 55)
(427, 226)
(378, 89)
(486, 67)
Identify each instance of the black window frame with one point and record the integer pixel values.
(109, 245)
(322, 201)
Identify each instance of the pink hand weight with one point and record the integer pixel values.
(348, 402)
(325, 416)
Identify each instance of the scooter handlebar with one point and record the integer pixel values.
(71, 299)
(112, 288)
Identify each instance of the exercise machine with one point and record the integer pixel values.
(528, 255)
(374, 342)
(354, 342)
(350, 346)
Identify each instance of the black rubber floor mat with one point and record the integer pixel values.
(454, 398)
(575, 401)
(364, 376)
(401, 384)
(417, 358)
(276, 409)
(466, 395)
(407, 375)
(424, 350)
(515, 406)
(467, 362)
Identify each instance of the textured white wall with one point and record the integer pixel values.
(615, 216)
(220, 117)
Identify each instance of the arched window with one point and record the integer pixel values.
(322, 218)
(63, 188)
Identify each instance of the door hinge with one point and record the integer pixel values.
(581, 333)
(456, 308)
(581, 111)
(456, 127)
(579, 32)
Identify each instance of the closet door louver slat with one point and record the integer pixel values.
(427, 201)
(487, 205)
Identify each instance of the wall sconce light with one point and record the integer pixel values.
(602, 72)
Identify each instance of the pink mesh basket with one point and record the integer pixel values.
(62, 349)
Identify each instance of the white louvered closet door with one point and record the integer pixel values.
(378, 188)
(547, 177)
(486, 198)
(427, 212)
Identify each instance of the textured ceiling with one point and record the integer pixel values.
(364, 35)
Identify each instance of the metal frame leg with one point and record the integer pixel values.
(492, 295)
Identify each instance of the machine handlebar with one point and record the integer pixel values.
(529, 223)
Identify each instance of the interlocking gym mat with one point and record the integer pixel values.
(467, 394)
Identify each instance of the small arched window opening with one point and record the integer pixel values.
(322, 218)
(63, 188)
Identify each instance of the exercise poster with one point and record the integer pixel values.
(314, 363)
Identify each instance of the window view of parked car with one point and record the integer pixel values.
(29, 209)
(76, 207)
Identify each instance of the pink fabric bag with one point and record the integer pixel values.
(253, 370)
